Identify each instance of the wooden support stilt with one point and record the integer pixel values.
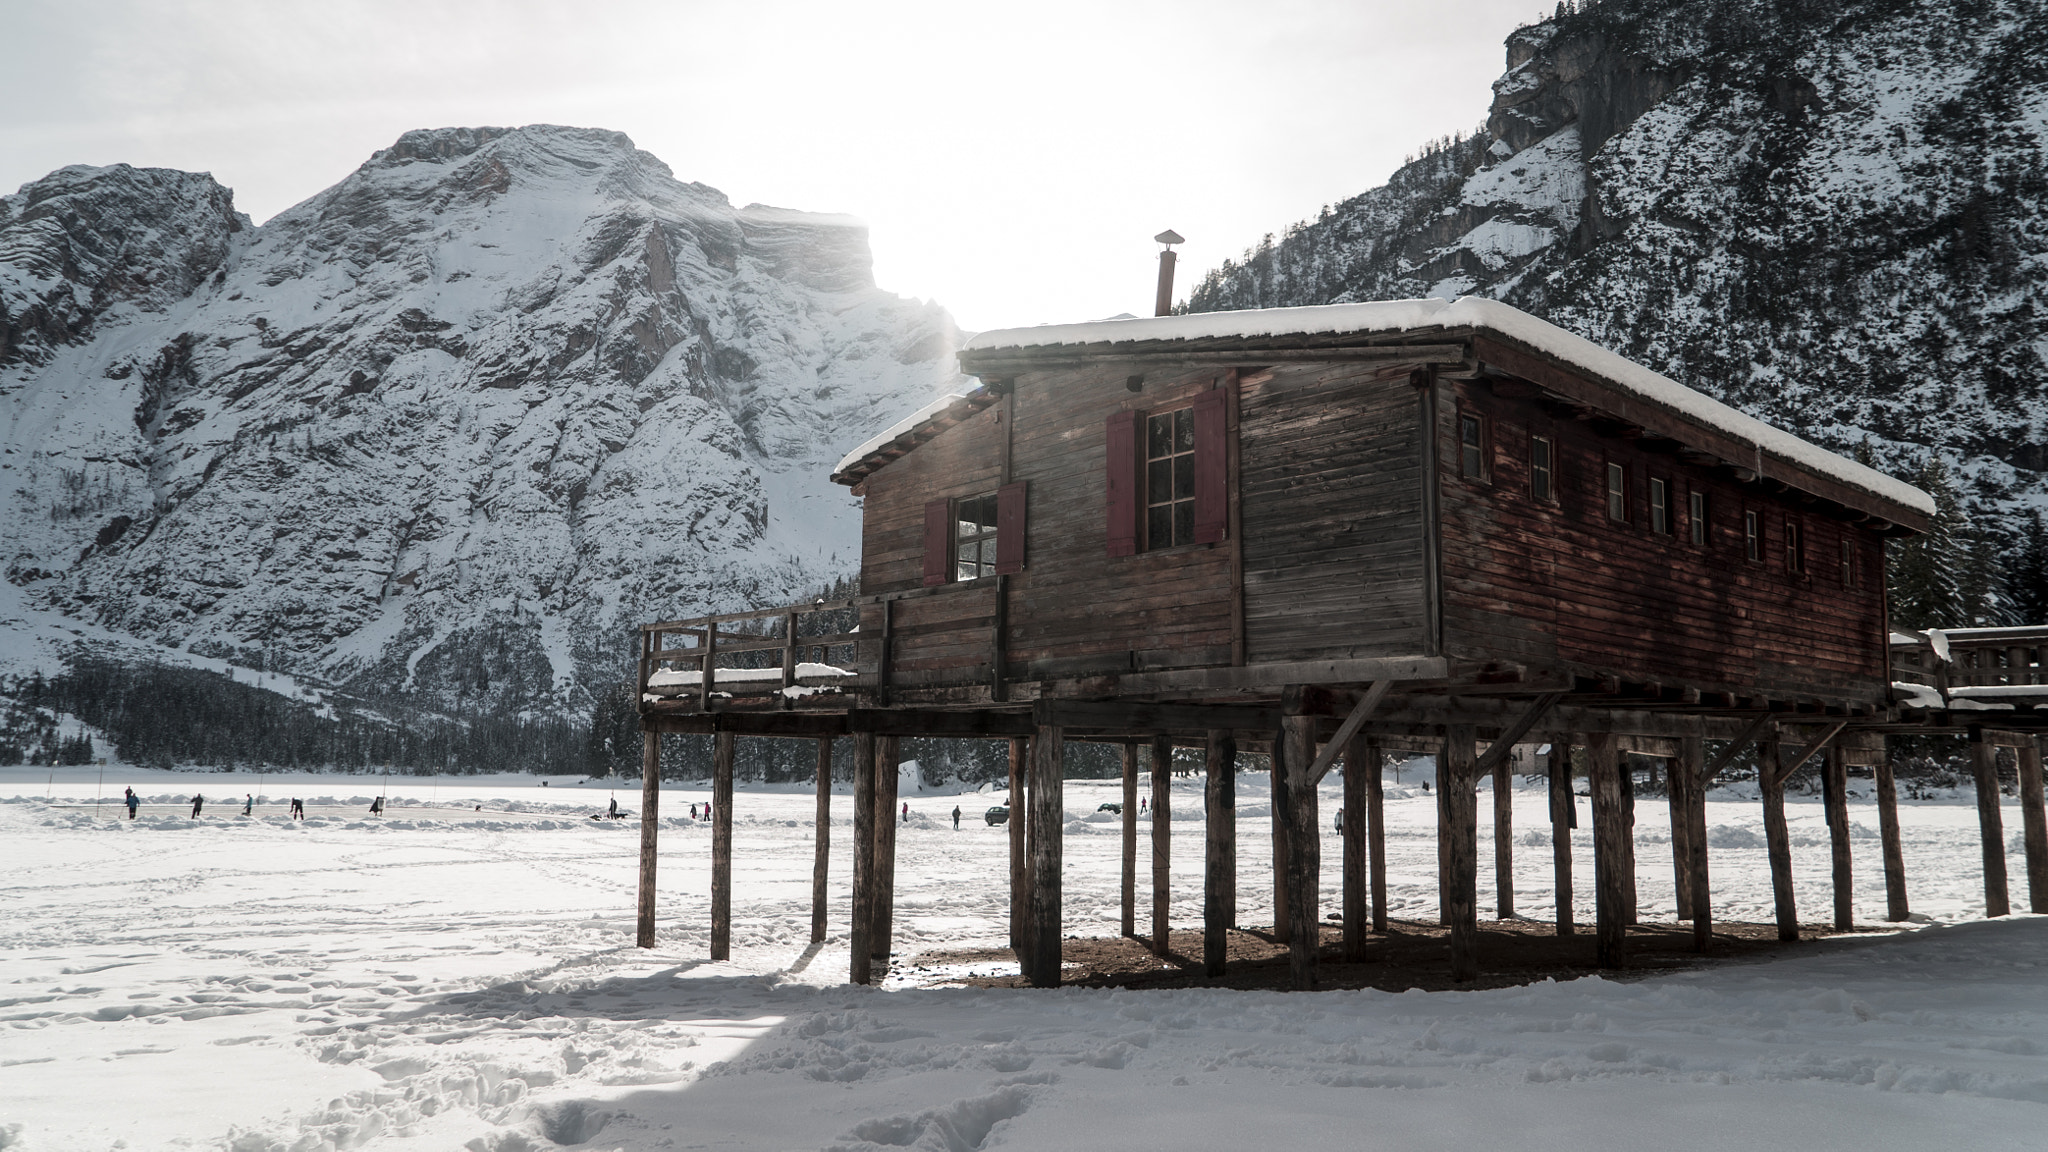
(1504, 840)
(1628, 841)
(1563, 818)
(1610, 859)
(1278, 789)
(1771, 775)
(1360, 760)
(650, 825)
(1896, 907)
(861, 933)
(721, 846)
(1219, 848)
(1046, 795)
(1691, 765)
(1835, 800)
(1130, 817)
(1990, 824)
(1020, 866)
(1162, 833)
(1676, 777)
(1376, 831)
(887, 766)
(1458, 834)
(1296, 806)
(821, 848)
(2035, 814)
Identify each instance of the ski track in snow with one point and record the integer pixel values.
(448, 978)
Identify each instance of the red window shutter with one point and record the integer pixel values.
(938, 539)
(1212, 466)
(1010, 528)
(1123, 484)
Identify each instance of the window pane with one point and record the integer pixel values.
(1184, 522)
(1184, 430)
(1699, 517)
(1159, 527)
(1660, 507)
(1539, 468)
(1184, 477)
(1158, 436)
(965, 571)
(1159, 481)
(1617, 493)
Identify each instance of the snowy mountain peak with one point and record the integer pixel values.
(443, 431)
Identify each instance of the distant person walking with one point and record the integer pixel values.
(298, 808)
(377, 806)
(133, 800)
(956, 817)
(614, 813)
(198, 802)
(906, 811)
(249, 803)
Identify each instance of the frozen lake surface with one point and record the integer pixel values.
(446, 977)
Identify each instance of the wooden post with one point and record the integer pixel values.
(1835, 801)
(862, 932)
(1504, 839)
(1610, 835)
(882, 944)
(1047, 795)
(721, 846)
(1296, 806)
(1563, 816)
(1375, 813)
(1281, 919)
(1361, 758)
(2035, 814)
(1675, 778)
(1130, 815)
(650, 826)
(1990, 825)
(1628, 839)
(1692, 765)
(1020, 865)
(1458, 787)
(1162, 831)
(1896, 908)
(821, 849)
(1770, 765)
(1219, 849)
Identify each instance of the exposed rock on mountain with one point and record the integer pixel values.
(1833, 214)
(446, 430)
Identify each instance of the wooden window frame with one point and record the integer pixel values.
(1475, 457)
(1697, 525)
(1543, 476)
(1753, 535)
(1615, 499)
(1174, 502)
(1663, 518)
(1848, 550)
(985, 539)
(1795, 547)
(1128, 491)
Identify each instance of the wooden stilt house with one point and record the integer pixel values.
(1328, 533)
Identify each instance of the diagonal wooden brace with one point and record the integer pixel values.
(1735, 748)
(1816, 744)
(1360, 713)
(1500, 748)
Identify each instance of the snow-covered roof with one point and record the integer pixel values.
(969, 401)
(1410, 317)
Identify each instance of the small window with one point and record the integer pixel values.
(1753, 535)
(1541, 485)
(1848, 563)
(1660, 506)
(1696, 517)
(1471, 447)
(1795, 548)
(1170, 479)
(1617, 493)
(974, 537)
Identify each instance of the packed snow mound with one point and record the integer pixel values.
(480, 406)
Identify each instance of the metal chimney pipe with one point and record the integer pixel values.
(1164, 305)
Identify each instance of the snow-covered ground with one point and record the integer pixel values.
(448, 978)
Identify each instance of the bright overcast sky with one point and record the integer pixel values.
(1012, 161)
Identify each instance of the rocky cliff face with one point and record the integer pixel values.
(1833, 214)
(446, 430)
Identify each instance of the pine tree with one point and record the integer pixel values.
(2027, 572)
(1925, 572)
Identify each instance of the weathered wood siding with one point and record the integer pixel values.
(1559, 583)
(1332, 509)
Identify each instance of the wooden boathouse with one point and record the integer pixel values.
(1328, 533)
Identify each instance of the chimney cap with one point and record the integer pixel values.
(1169, 238)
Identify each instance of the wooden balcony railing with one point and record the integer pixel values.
(1976, 657)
